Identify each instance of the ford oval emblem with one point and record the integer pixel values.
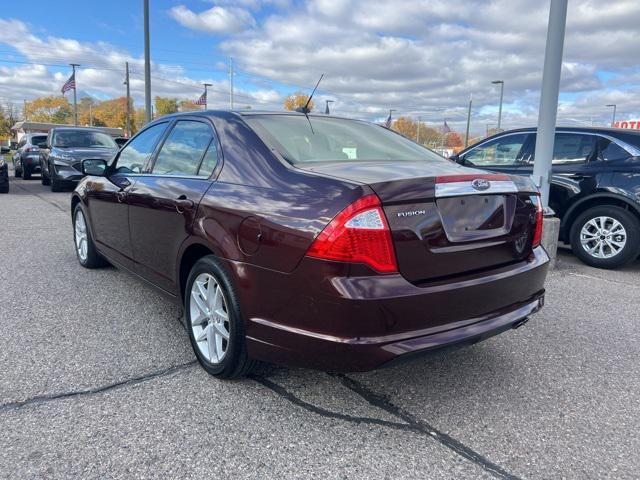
(481, 184)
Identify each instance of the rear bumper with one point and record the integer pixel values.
(31, 161)
(320, 317)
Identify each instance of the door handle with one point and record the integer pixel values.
(182, 204)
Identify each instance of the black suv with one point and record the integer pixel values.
(595, 186)
(66, 148)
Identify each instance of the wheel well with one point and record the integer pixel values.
(74, 201)
(191, 255)
(595, 202)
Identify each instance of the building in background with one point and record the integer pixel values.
(24, 127)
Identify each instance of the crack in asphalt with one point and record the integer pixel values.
(409, 422)
(40, 399)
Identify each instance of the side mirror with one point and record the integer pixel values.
(96, 167)
(457, 158)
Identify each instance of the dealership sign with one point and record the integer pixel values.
(632, 124)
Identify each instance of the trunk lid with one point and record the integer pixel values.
(448, 221)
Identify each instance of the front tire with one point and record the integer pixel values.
(606, 237)
(86, 251)
(55, 183)
(214, 320)
(44, 178)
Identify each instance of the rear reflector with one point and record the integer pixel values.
(358, 234)
(537, 233)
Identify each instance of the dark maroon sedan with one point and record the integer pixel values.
(316, 241)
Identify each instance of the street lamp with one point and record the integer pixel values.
(501, 82)
(613, 118)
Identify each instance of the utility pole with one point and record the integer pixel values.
(547, 115)
(418, 132)
(326, 108)
(501, 82)
(206, 96)
(147, 65)
(128, 108)
(466, 137)
(90, 115)
(75, 95)
(24, 110)
(613, 118)
(231, 83)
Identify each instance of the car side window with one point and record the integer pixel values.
(183, 150)
(134, 156)
(503, 151)
(612, 151)
(210, 159)
(572, 148)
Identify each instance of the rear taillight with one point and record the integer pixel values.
(537, 233)
(358, 234)
(31, 149)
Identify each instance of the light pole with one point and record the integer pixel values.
(466, 137)
(613, 117)
(547, 115)
(147, 65)
(206, 97)
(501, 82)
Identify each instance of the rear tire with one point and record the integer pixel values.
(55, 184)
(17, 173)
(86, 252)
(216, 293)
(44, 177)
(614, 229)
(26, 173)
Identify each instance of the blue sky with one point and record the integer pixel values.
(420, 57)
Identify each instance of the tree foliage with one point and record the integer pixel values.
(52, 109)
(297, 100)
(165, 106)
(188, 106)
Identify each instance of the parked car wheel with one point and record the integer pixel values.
(55, 184)
(4, 188)
(86, 251)
(44, 178)
(26, 173)
(17, 172)
(606, 237)
(214, 321)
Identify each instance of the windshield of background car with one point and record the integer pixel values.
(82, 139)
(38, 140)
(320, 139)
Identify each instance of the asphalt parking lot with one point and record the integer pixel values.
(98, 380)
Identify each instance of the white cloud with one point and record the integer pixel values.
(216, 20)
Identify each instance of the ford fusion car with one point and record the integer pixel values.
(312, 240)
(66, 147)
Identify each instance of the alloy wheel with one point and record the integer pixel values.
(209, 317)
(81, 236)
(603, 237)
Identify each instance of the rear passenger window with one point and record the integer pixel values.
(612, 151)
(184, 148)
(572, 148)
(210, 160)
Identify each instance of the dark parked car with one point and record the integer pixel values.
(595, 188)
(66, 148)
(4, 171)
(26, 160)
(316, 241)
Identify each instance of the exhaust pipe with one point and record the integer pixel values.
(520, 323)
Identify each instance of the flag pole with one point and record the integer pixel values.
(206, 96)
(75, 95)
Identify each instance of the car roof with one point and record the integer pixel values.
(605, 130)
(247, 113)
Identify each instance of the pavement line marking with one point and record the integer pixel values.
(408, 424)
(425, 428)
(39, 399)
(594, 277)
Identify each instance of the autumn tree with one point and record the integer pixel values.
(454, 140)
(49, 110)
(165, 106)
(111, 113)
(405, 126)
(188, 106)
(86, 112)
(297, 100)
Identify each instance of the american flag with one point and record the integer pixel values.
(69, 84)
(388, 122)
(202, 100)
(445, 128)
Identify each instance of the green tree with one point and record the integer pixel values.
(165, 106)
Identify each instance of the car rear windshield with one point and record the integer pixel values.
(82, 139)
(38, 140)
(324, 139)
